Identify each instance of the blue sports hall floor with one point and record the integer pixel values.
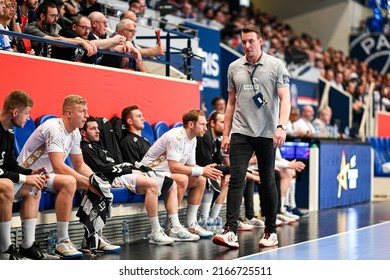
(356, 232)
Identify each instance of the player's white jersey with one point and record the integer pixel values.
(173, 145)
(51, 136)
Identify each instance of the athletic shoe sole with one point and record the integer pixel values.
(161, 243)
(74, 257)
(263, 245)
(218, 240)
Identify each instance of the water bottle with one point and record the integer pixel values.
(317, 129)
(346, 132)
(328, 132)
(146, 235)
(51, 242)
(33, 191)
(335, 131)
(125, 232)
(210, 224)
(218, 225)
(202, 221)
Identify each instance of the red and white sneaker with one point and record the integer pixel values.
(228, 239)
(242, 226)
(269, 240)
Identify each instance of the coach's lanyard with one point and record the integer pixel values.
(251, 74)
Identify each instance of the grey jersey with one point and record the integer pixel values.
(269, 75)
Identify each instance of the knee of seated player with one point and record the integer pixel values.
(198, 182)
(27, 198)
(181, 181)
(6, 190)
(146, 185)
(65, 184)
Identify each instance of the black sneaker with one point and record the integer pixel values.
(36, 253)
(11, 254)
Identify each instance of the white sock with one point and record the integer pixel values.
(62, 228)
(154, 223)
(174, 220)
(5, 236)
(216, 210)
(292, 194)
(282, 208)
(206, 202)
(287, 201)
(192, 210)
(28, 228)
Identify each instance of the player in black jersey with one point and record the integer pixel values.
(16, 181)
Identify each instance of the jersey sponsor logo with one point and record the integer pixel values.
(250, 87)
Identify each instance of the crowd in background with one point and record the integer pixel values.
(280, 40)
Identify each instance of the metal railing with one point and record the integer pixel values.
(171, 34)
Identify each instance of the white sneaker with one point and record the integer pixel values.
(290, 215)
(244, 226)
(107, 247)
(228, 239)
(285, 220)
(279, 222)
(67, 250)
(255, 222)
(195, 228)
(181, 234)
(268, 240)
(160, 238)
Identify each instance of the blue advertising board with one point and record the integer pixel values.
(344, 174)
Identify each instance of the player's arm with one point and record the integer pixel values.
(59, 167)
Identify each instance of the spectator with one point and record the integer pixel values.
(25, 12)
(72, 8)
(303, 126)
(16, 181)
(89, 6)
(125, 28)
(124, 175)
(62, 20)
(294, 116)
(81, 26)
(135, 6)
(358, 106)
(7, 12)
(219, 20)
(219, 104)
(139, 8)
(320, 124)
(99, 36)
(46, 26)
(159, 49)
(49, 145)
(174, 154)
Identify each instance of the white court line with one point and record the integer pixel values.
(314, 240)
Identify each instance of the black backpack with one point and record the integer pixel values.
(120, 129)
